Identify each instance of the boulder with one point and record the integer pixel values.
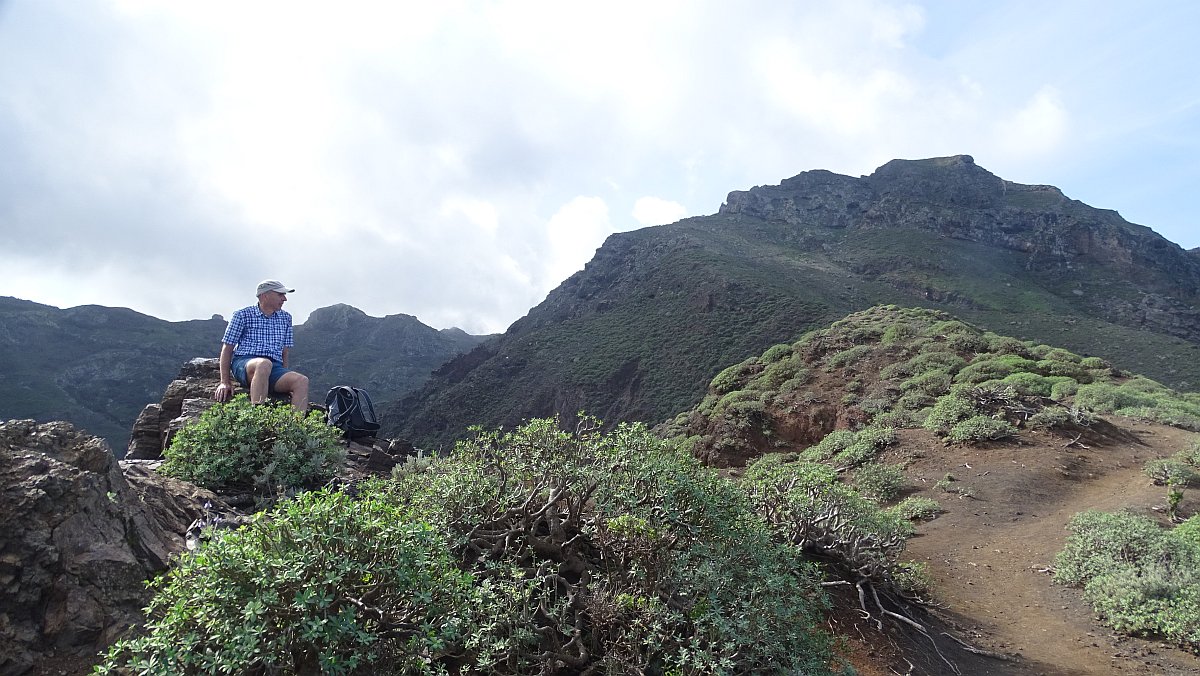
(158, 422)
(80, 541)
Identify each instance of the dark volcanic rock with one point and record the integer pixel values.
(952, 196)
(79, 541)
(186, 397)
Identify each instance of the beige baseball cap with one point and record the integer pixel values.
(272, 285)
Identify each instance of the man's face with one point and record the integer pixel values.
(273, 300)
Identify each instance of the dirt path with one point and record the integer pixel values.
(990, 554)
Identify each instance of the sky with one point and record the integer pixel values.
(457, 160)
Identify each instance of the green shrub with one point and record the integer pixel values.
(831, 444)
(918, 508)
(949, 410)
(980, 428)
(1164, 414)
(939, 360)
(849, 356)
(895, 371)
(966, 342)
(1006, 345)
(776, 374)
(1032, 384)
(776, 353)
(801, 501)
(898, 332)
(912, 578)
(932, 383)
(1189, 530)
(880, 482)
(915, 401)
(325, 583)
(1141, 398)
(1109, 397)
(850, 449)
(735, 377)
(1067, 369)
(532, 551)
(239, 445)
(1095, 364)
(1170, 472)
(1191, 454)
(1051, 417)
(1063, 389)
(1138, 577)
(994, 368)
(868, 442)
(799, 379)
(950, 327)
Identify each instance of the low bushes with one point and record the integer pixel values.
(1140, 578)
(528, 552)
(238, 445)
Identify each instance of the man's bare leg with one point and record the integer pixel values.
(297, 385)
(258, 372)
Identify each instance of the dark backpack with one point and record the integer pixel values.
(350, 410)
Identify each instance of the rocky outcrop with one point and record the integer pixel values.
(80, 541)
(186, 397)
(1126, 273)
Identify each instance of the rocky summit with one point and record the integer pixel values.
(639, 332)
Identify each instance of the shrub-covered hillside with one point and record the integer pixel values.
(890, 368)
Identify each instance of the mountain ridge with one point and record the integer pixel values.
(97, 366)
(686, 298)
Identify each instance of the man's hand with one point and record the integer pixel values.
(223, 392)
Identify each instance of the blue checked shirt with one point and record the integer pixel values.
(257, 335)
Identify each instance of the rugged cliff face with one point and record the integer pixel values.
(1123, 272)
(641, 329)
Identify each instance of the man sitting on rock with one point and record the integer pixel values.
(255, 350)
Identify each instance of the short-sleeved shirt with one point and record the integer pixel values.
(257, 335)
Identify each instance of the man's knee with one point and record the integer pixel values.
(291, 382)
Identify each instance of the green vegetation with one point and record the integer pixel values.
(525, 552)
(1140, 578)
(980, 428)
(238, 445)
(879, 482)
(801, 500)
(917, 508)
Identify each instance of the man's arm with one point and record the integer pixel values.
(224, 391)
(285, 356)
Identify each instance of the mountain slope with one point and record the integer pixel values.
(642, 328)
(98, 366)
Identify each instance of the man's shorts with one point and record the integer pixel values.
(238, 367)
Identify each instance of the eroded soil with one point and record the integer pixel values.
(991, 556)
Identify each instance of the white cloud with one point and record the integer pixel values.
(1037, 129)
(575, 232)
(428, 158)
(657, 211)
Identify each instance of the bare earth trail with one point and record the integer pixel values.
(991, 555)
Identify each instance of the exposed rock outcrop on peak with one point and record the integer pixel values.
(80, 541)
(956, 198)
